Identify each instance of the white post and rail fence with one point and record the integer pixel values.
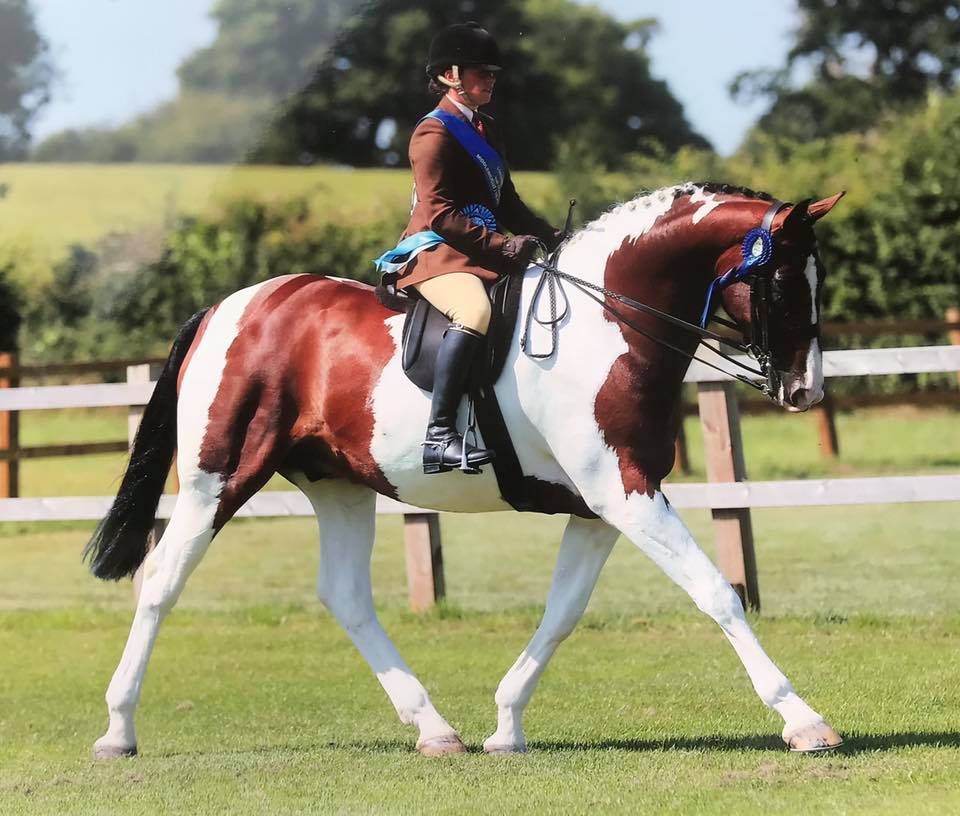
(727, 494)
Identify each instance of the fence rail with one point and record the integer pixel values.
(728, 494)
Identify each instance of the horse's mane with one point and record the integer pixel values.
(645, 198)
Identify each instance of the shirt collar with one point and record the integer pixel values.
(468, 112)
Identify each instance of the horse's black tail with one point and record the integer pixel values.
(119, 544)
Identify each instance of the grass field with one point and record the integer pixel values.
(87, 202)
(257, 702)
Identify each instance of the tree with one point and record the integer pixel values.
(25, 76)
(867, 58)
(570, 68)
(265, 47)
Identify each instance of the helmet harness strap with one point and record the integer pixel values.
(457, 85)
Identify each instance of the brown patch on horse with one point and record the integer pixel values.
(638, 408)
(294, 392)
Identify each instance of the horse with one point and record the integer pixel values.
(300, 375)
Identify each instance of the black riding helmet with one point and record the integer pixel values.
(466, 45)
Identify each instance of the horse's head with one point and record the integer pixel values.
(775, 299)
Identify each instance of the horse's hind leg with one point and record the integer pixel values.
(346, 514)
(165, 573)
(583, 552)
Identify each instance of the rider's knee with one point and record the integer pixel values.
(474, 314)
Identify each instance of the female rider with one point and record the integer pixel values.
(464, 200)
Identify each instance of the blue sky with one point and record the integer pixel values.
(108, 76)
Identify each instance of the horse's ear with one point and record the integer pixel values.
(820, 208)
(796, 218)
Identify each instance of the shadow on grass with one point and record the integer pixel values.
(853, 743)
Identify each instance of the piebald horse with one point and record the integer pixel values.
(301, 375)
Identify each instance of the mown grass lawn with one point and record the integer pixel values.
(270, 710)
(256, 702)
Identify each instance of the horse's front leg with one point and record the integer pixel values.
(652, 524)
(583, 552)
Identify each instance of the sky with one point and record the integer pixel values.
(107, 75)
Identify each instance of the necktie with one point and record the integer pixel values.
(481, 128)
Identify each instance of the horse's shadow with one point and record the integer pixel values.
(854, 743)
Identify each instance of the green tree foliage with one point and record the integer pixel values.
(867, 58)
(569, 69)
(25, 76)
(897, 256)
(100, 304)
(11, 305)
(197, 127)
(265, 47)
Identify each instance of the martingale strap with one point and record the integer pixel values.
(479, 149)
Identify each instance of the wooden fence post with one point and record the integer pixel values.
(424, 555)
(723, 451)
(827, 426)
(9, 433)
(953, 316)
(142, 374)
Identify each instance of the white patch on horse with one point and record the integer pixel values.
(401, 411)
(709, 202)
(813, 379)
(545, 403)
(202, 381)
(812, 279)
(349, 281)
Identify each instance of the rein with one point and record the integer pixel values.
(757, 252)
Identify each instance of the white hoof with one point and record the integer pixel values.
(441, 746)
(813, 739)
(105, 750)
(496, 746)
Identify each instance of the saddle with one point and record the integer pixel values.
(423, 330)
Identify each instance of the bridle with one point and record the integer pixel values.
(757, 255)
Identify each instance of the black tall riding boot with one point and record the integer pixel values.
(443, 446)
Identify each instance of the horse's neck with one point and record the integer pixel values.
(670, 276)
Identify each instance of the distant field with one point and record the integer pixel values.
(49, 206)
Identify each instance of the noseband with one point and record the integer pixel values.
(757, 250)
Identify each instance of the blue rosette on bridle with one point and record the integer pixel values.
(756, 250)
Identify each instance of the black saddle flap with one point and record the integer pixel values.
(422, 332)
(424, 327)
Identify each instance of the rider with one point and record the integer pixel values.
(463, 202)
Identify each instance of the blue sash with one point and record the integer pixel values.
(479, 149)
(494, 172)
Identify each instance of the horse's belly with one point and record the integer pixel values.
(401, 412)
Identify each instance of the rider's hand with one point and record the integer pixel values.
(519, 251)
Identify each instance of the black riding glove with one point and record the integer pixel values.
(519, 251)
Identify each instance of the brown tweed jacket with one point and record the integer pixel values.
(446, 180)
